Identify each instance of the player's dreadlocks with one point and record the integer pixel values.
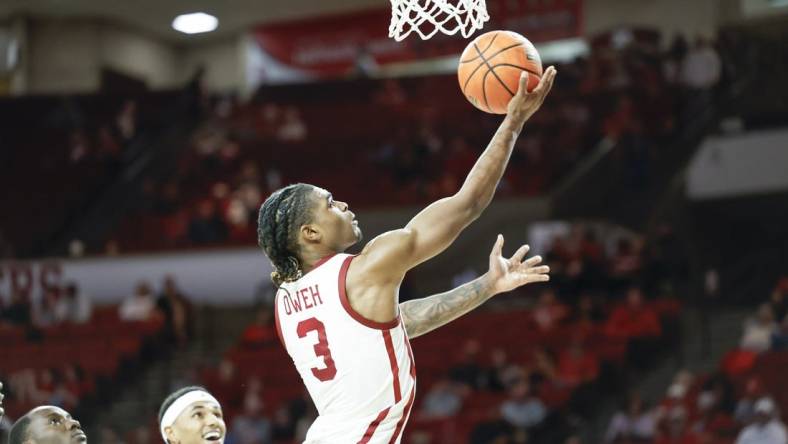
(280, 218)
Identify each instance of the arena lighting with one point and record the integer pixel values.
(195, 23)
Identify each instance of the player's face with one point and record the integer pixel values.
(53, 425)
(338, 224)
(201, 423)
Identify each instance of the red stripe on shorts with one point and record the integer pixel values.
(373, 426)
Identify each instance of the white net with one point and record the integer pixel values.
(428, 17)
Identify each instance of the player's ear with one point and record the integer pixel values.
(311, 233)
(170, 435)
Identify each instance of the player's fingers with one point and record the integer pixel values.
(544, 269)
(520, 254)
(540, 87)
(539, 277)
(548, 78)
(498, 247)
(523, 87)
(533, 261)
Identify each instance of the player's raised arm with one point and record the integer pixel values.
(390, 255)
(424, 315)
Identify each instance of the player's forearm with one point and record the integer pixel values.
(424, 315)
(479, 187)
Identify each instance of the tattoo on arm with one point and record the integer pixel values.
(424, 315)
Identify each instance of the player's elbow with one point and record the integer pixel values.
(472, 205)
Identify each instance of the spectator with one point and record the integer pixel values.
(549, 311)
(701, 68)
(261, 332)
(779, 299)
(22, 383)
(108, 434)
(54, 390)
(293, 128)
(141, 435)
(166, 202)
(44, 312)
(587, 314)
(634, 423)
(75, 382)
(758, 331)
(139, 306)
(780, 338)
(624, 265)
(225, 383)
(673, 430)
(767, 428)
(282, 425)
(468, 371)
(251, 427)
(503, 374)
(712, 407)
(73, 306)
(745, 407)
(18, 311)
(207, 227)
(543, 368)
(444, 399)
(523, 409)
(177, 312)
(127, 120)
(577, 366)
(633, 319)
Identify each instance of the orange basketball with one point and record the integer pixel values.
(490, 68)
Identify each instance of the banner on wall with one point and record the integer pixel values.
(342, 45)
(221, 277)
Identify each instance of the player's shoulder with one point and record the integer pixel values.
(384, 242)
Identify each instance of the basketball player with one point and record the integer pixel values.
(191, 415)
(47, 425)
(339, 316)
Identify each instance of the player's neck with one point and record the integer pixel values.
(312, 259)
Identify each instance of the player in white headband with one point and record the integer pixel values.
(191, 415)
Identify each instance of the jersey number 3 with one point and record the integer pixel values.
(328, 372)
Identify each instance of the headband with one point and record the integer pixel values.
(176, 408)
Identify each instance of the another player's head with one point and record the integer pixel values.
(47, 425)
(191, 415)
(303, 218)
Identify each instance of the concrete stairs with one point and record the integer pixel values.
(216, 330)
(702, 346)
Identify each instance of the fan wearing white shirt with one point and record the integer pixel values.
(767, 427)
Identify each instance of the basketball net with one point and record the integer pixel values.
(428, 17)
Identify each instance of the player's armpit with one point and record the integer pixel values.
(389, 256)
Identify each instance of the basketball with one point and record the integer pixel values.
(490, 68)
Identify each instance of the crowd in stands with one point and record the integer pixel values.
(58, 349)
(423, 139)
(742, 402)
(79, 144)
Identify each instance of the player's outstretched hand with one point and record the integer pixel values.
(2, 412)
(508, 274)
(524, 104)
